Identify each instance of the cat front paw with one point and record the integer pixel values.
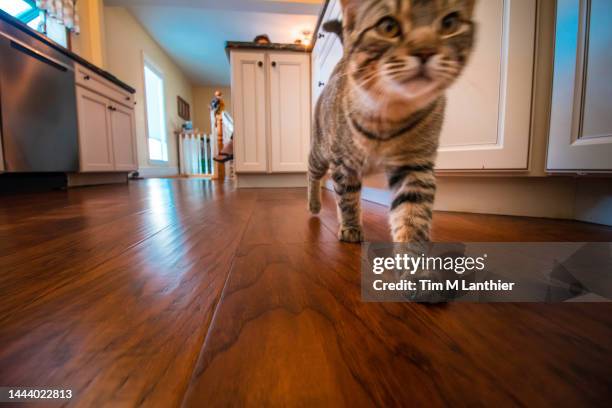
(314, 207)
(350, 234)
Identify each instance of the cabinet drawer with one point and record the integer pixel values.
(94, 82)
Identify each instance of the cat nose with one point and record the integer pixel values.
(424, 55)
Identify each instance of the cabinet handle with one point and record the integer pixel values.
(87, 77)
(321, 35)
(260, 64)
(274, 64)
(321, 84)
(112, 108)
(127, 98)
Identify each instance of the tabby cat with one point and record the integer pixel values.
(384, 107)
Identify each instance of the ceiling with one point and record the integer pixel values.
(194, 32)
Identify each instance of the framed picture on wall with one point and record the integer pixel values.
(184, 111)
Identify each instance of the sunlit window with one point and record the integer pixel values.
(27, 12)
(17, 8)
(156, 113)
(35, 24)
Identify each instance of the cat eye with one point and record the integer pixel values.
(450, 23)
(388, 27)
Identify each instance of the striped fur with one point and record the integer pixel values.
(384, 107)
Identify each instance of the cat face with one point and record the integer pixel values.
(406, 51)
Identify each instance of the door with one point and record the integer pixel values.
(289, 111)
(95, 141)
(122, 130)
(488, 119)
(580, 137)
(249, 109)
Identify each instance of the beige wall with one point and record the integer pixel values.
(91, 42)
(126, 43)
(202, 95)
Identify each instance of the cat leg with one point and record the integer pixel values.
(414, 188)
(347, 185)
(317, 168)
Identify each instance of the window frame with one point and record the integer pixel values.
(27, 16)
(147, 62)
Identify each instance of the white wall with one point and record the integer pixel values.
(126, 41)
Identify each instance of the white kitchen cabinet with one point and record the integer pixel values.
(580, 137)
(122, 130)
(326, 53)
(95, 137)
(488, 119)
(249, 109)
(271, 108)
(289, 75)
(107, 135)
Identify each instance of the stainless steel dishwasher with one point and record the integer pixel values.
(37, 105)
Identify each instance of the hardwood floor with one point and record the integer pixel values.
(171, 292)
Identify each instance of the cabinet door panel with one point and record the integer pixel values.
(581, 125)
(249, 108)
(289, 112)
(488, 119)
(95, 142)
(122, 126)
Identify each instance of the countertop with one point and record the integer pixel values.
(35, 34)
(248, 45)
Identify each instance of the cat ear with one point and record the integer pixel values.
(470, 4)
(349, 12)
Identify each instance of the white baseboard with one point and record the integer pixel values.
(95, 179)
(594, 201)
(529, 197)
(156, 172)
(587, 200)
(272, 180)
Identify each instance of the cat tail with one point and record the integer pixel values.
(317, 168)
(334, 27)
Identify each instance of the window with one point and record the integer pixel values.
(27, 12)
(20, 9)
(156, 113)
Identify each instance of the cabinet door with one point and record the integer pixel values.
(289, 111)
(327, 52)
(488, 119)
(122, 129)
(580, 137)
(95, 141)
(249, 109)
